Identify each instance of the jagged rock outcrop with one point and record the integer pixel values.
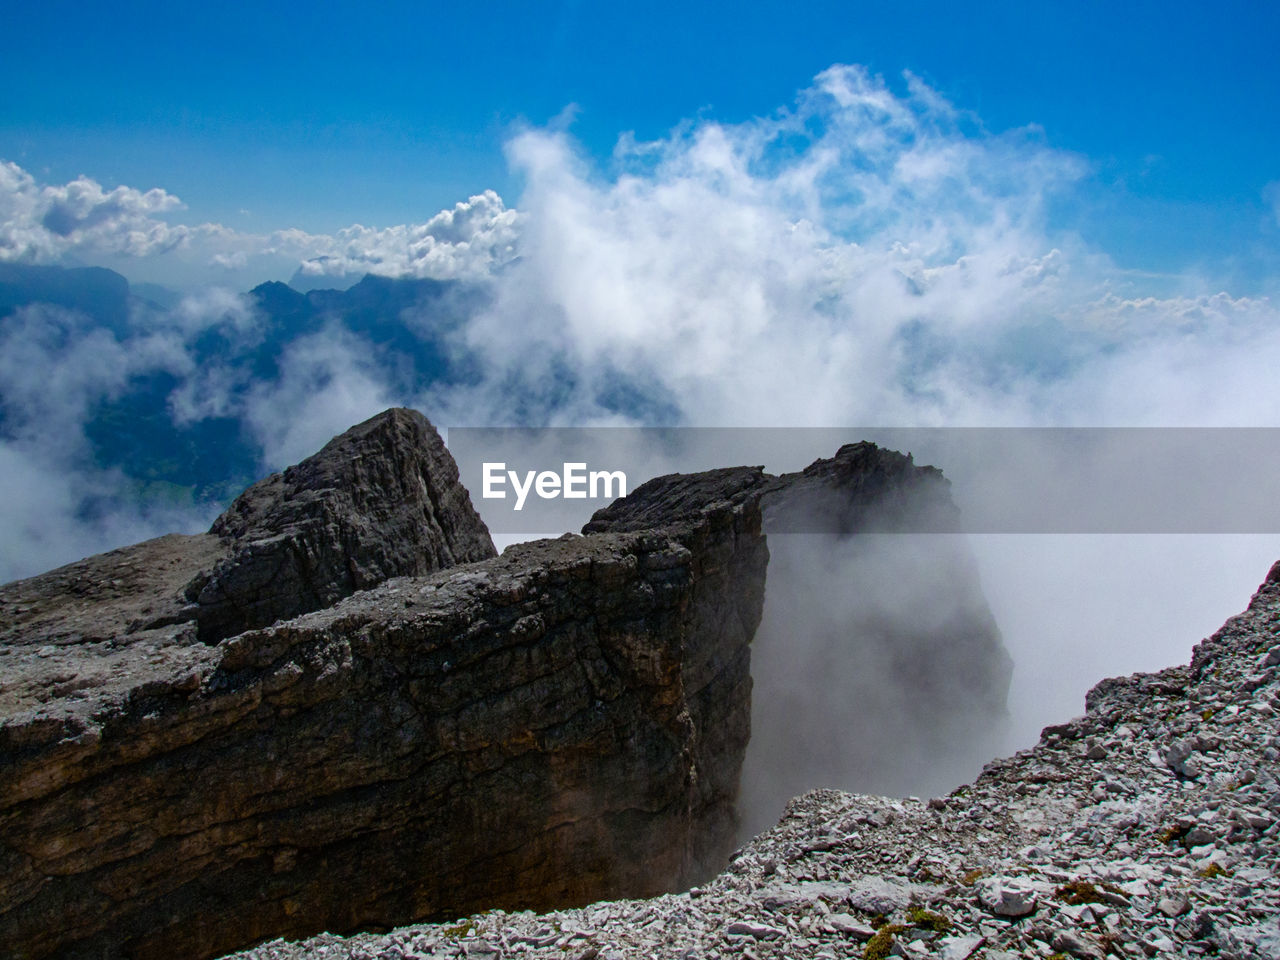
(862, 489)
(203, 744)
(382, 500)
(1147, 828)
(562, 722)
(877, 651)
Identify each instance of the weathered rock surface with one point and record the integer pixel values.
(1061, 850)
(862, 489)
(381, 500)
(204, 744)
(562, 722)
(877, 650)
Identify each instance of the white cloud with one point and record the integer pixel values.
(81, 220)
(55, 367)
(328, 382)
(43, 223)
(468, 241)
(865, 257)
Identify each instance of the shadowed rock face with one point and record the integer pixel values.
(183, 770)
(877, 665)
(554, 725)
(380, 501)
(862, 489)
(877, 650)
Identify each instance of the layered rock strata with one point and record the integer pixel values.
(878, 664)
(560, 723)
(203, 744)
(1149, 827)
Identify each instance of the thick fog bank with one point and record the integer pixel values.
(877, 668)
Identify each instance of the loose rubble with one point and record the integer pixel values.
(1146, 828)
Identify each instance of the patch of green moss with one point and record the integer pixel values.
(878, 947)
(1214, 870)
(972, 877)
(1173, 834)
(463, 928)
(920, 917)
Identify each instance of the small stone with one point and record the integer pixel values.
(1096, 751)
(1067, 942)
(747, 928)
(849, 925)
(1007, 896)
(959, 948)
(1197, 837)
(1173, 906)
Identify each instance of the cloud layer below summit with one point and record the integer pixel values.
(864, 256)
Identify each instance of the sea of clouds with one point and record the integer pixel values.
(864, 256)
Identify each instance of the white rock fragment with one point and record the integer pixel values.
(1007, 896)
(959, 948)
(848, 924)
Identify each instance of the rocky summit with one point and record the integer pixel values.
(1148, 827)
(337, 710)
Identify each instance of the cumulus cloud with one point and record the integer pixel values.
(468, 241)
(865, 256)
(44, 223)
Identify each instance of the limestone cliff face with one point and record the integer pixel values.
(319, 716)
(558, 724)
(878, 665)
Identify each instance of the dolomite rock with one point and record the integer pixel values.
(1102, 842)
(381, 500)
(319, 716)
(554, 725)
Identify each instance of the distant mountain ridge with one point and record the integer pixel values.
(405, 323)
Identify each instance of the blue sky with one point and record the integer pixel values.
(322, 115)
